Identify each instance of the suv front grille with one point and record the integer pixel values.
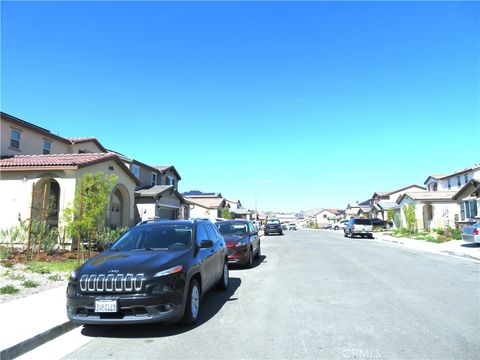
(118, 283)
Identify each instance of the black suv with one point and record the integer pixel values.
(156, 271)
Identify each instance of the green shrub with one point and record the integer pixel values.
(30, 284)
(55, 277)
(8, 290)
(15, 276)
(7, 264)
(38, 267)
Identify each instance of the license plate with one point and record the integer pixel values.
(105, 306)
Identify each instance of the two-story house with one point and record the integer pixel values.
(438, 207)
(453, 181)
(157, 194)
(384, 201)
(39, 173)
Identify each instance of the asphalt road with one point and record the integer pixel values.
(315, 295)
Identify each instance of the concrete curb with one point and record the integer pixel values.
(445, 252)
(37, 340)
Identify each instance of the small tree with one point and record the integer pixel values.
(409, 211)
(390, 215)
(89, 208)
(226, 214)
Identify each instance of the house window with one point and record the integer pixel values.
(136, 171)
(466, 178)
(47, 147)
(15, 139)
(459, 181)
(154, 179)
(468, 209)
(449, 184)
(170, 181)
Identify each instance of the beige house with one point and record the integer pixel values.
(384, 201)
(433, 209)
(53, 180)
(35, 160)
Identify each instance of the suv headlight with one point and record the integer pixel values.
(73, 274)
(170, 271)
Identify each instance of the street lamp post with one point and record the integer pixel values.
(259, 182)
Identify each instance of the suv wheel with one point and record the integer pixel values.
(335, 228)
(249, 262)
(192, 307)
(223, 282)
(259, 252)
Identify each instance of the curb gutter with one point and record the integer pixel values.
(37, 340)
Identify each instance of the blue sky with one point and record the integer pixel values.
(329, 101)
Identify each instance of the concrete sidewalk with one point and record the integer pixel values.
(32, 321)
(454, 247)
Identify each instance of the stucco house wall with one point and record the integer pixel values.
(86, 147)
(31, 142)
(444, 213)
(16, 193)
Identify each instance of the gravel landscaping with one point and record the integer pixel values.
(19, 281)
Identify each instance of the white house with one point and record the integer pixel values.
(433, 209)
(326, 216)
(206, 207)
(453, 181)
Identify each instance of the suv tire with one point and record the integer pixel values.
(225, 279)
(259, 252)
(192, 306)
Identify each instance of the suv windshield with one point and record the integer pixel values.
(233, 228)
(273, 222)
(155, 237)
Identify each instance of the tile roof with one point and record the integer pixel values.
(27, 162)
(153, 190)
(428, 195)
(81, 140)
(78, 160)
(459, 172)
(210, 202)
(32, 127)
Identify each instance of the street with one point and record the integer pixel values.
(313, 295)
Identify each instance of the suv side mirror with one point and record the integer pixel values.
(206, 244)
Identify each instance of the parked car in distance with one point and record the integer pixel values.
(358, 226)
(292, 227)
(471, 233)
(339, 225)
(376, 222)
(243, 242)
(327, 226)
(284, 227)
(273, 226)
(155, 272)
